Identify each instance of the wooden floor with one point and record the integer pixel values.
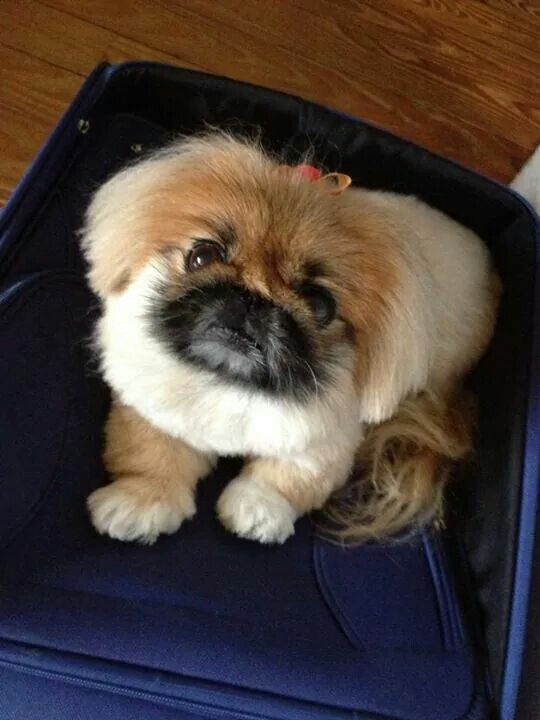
(458, 76)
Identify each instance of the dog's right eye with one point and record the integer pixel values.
(321, 302)
(204, 253)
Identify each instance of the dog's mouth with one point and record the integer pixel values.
(234, 352)
(238, 340)
(241, 337)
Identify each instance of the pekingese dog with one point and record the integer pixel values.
(320, 331)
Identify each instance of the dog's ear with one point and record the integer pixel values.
(392, 373)
(382, 388)
(109, 239)
(395, 357)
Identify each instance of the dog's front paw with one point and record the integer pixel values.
(254, 510)
(130, 509)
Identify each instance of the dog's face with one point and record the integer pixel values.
(258, 277)
(248, 291)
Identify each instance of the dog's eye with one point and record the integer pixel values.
(321, 302)
(204, 253)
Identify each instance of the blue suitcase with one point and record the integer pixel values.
(203, 625)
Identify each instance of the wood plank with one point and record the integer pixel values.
(399, 51)
(62, 39)
(33, 97)
(457, 76)
(45, 54)
(386, 62)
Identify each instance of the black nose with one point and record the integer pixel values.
(234, 313)
(241, 311)
(240, 335)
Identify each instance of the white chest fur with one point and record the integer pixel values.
(195, 405)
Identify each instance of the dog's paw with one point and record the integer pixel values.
(256, 511)
(129, 509)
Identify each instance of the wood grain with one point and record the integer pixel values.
(457, 76)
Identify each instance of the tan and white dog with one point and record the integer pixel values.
(254, 309)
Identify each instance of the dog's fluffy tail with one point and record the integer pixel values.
(403, 466)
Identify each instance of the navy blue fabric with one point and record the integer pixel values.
(523, 626)
(350, 630)
(529, 699)
(203, 622)
(46, 696)
(304, 621)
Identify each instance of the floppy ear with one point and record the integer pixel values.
(396, 360)
(110, 237)
(101, 237)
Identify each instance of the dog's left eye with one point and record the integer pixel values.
(321, 302)
(204, 253)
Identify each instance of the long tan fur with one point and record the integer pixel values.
(416, 298)
(402, 469)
